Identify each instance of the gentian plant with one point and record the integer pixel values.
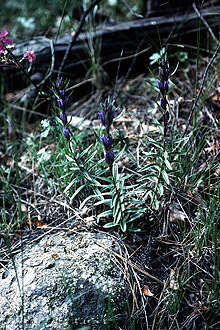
(106, 116)
(62, 102)
(163, 86)
(158, 163)
(122, 210)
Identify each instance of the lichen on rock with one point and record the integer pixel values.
(62, 282)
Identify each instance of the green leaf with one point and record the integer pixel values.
(155, 204)
(117, 213)
(157, 56)
(104, 201)
(70, 159)
(165, 176)
(77, 191)
(160, 189)
(105, 214)
(114, 199)
(69, 186)
(90, 158)
(184, 139)
(86, 200)
(149, 177)
(118, 217)
(135, 217)
(168, 165)
(109, 180)
(150, 154)
(156, 144)
(123, 225)
(86, 151)
(136, 201)
(150, 166)
(110, 224)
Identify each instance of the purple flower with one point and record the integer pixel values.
(66, 133)
(62, 102)
(111, 116)
(166, 116)
(166, 86)
(160, 86)
(62, 92)
(102, 118)
(63, 117)
(107, 141)
(109, 157)
(166, 73)
(106, 105)
(160, 72)
(163, 103)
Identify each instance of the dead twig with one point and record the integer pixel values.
(201, 88)
(132, 264)
(76, 34)
(205, 22)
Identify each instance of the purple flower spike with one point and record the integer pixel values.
(63, 117)
(107, 141)
(66, 133)
(109, 157)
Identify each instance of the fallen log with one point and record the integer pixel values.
(109, 42)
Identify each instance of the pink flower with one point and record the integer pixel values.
(4, 41)
(30, 55)
(204, 166)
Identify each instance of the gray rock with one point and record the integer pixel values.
(62, 282)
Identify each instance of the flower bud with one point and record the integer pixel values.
(66, 133)
(63, 117)
(62, 92)
(167, 116)
(166, 73)
(111, 116)
(109, 157)
(160, 86)
(166, 86)
(60, 103)
(163, 103)
(101, 115)
(160, 72)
